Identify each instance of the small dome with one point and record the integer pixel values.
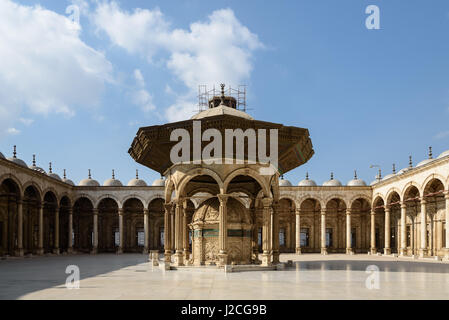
(112, 182)
(424, 162)
(306, 182)
(53, 175)
(332, 182)
(356, 182)
(159, 183)
(444, 154)
(89, 182)
(36, 168)
(17, 160)
(284, 183)
(2, 156)
(404, 170)
(68, 181)
(388, 176)
(137, 182)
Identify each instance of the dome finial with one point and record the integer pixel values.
(332, 176)
(113, 174)
(89, 176)
(307, 175)
(49, 168)
(14, 153)
(34, 160)
(430, 153)
(355, 174)
(410, 162)
(137, 174)
(222, 93)
(380, 174)
(65, 177)
(394, 168)
(282, 177)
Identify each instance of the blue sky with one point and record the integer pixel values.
(77, 98)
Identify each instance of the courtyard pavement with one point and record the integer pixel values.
(312, 276)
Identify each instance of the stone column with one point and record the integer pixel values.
(373, 232)
(403, 249)
(179, 234)
(70, 240)
(146, 214)
(423, 241)
(56, 248)
(223, 230)
(40, 250)
(19, 228)
(446, 245)
(95, 231)
(349, 249)
(323, 232)
(298, 231)
(266, 231)
(387, 249)
(120, 230)
(275, 236)
(185, 231)
(167, 234)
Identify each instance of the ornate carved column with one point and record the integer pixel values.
(185, 232)
(56, 248)
(446, 255)
(298, 231)
(403, 249)
(167, 231)
(223, 230)
(387, 249)
(70, 237)
(95, 232)
(19, 228)
(349, 249)
(275, 228)
(179, 234)
(266, 231)
(423, 242)
(120, 230)
(373, 232)
(146, 214)
(40, 250)
(323, 232)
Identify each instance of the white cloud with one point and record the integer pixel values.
(442, 135)
(142, 97)
(45, 67)
(209, 52)
(12, 131)
(26, 121)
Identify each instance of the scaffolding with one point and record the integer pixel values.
(204, 95)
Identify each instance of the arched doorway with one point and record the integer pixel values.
(83, 225)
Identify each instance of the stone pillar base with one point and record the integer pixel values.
(70, 251)
(94, 251)
(40, 252)
(167, 256)
(186, 255)
(119, 250)
(178, 260)
(298, 251)
(266, 259)
(422, 253)
(446, 254)
(56, 251)
(19, 253)
(373, 251)
(349, 251)
(154, 257)
(402, 252)
(387, 251)
(223, 259)
(324, 251)
(145, 251)
(275, 257)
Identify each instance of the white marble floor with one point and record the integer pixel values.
(312, 276)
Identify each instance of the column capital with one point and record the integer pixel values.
(323, 211)
(168, 206)
(223, 198)
(348, 211)
(120, 211)
(446, 195)
(423, 201)
(267, 202)
(19, 201)
(146, 211)
(387, 208)
(403, 205)
(95, 211)
(373, 212)
(298, 211)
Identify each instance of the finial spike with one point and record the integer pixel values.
(90, 176)
(332, 176)
(282, 177)
(355, 174)
(34, 160)
(430, 153)
(14, 152)
(307, 175)
(410, 162)
(380, 174)
(394, 168)
(113, 174)
(65, 177)
(49, 168)
(137, 174)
